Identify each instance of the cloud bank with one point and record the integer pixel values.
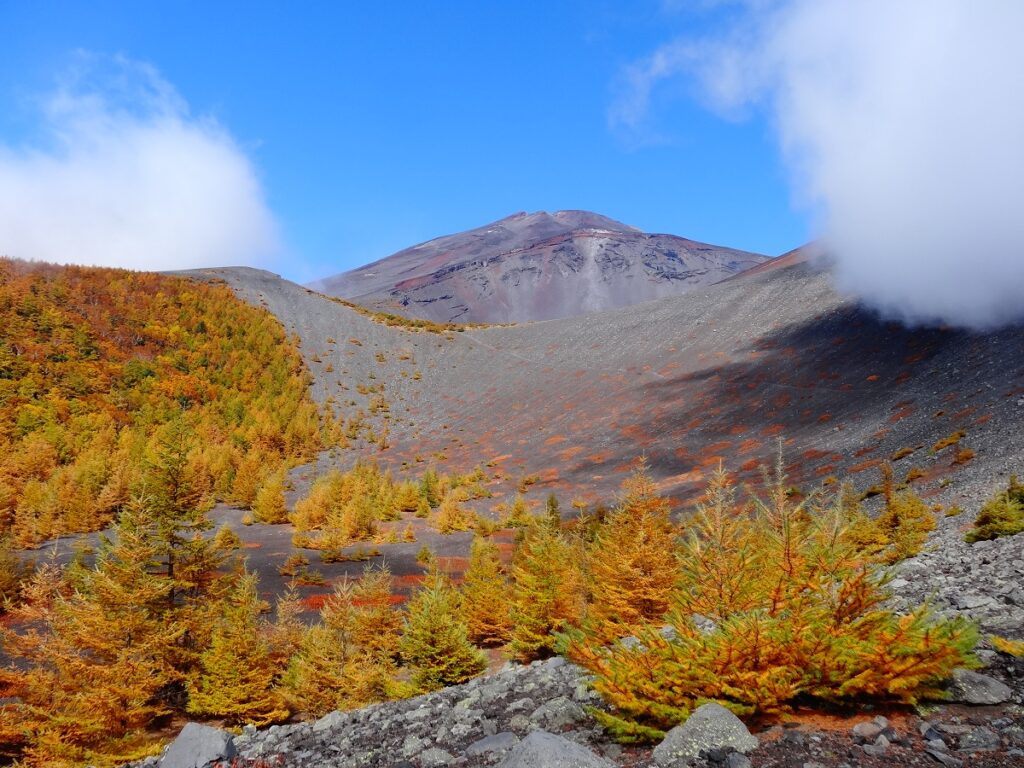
(902, 122)
(123, 175)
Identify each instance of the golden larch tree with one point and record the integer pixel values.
(547, 589)
(269, 506)
(632, 560)
(237, 673)
(485, 605)
(435, 640)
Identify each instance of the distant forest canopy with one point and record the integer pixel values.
(95, 364)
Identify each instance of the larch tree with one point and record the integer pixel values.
(485, 605)
(797, 613)
(429, 488)
(319, 678)
(287, 630)
(435, 640)
(451, 516)
(92, 655)
(269, 506)
(547, 590)
(333, 669)
(237, 676)
(632, 560)
(552, 509)
(376, 625)
(169, 515)
(170, 507)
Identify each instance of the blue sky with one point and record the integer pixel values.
(373, 126)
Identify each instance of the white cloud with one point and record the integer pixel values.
(903, 120)
(123, 175)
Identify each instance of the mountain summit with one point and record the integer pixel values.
(536, 266)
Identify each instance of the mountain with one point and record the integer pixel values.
(536, 266)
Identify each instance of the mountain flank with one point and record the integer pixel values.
(724, 375)
(536, 266)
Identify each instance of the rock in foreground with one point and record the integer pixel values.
(974, 688)
(198, 746)
(545, 750)
(711, 726)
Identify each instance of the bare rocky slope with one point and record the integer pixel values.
(536, 266)
(719, 376)
(537, 716)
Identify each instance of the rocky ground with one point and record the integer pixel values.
(488, 721)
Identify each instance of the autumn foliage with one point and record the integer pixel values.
(773, 603)
(485, 604)
(435, 641)
(93, 362)
(632, 561)
(1001, 515)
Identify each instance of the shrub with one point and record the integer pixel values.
(899, 532)
(1007, 646)
(963, 456)
(1001, 515)
(425, 556)
(226, 539)
(949, 440)
(797, 613)
(519, 515)
(906, 522)
(451, 516)
(295, 564)
(914, 473)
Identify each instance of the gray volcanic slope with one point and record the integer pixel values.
(685, 381)
(536, 266)
(718, 376)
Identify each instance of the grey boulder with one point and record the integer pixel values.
(197, 746)
(980, 740)
(435, 758)
(974, 688)
(711, 726)
(499, 742)
(545, 750)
